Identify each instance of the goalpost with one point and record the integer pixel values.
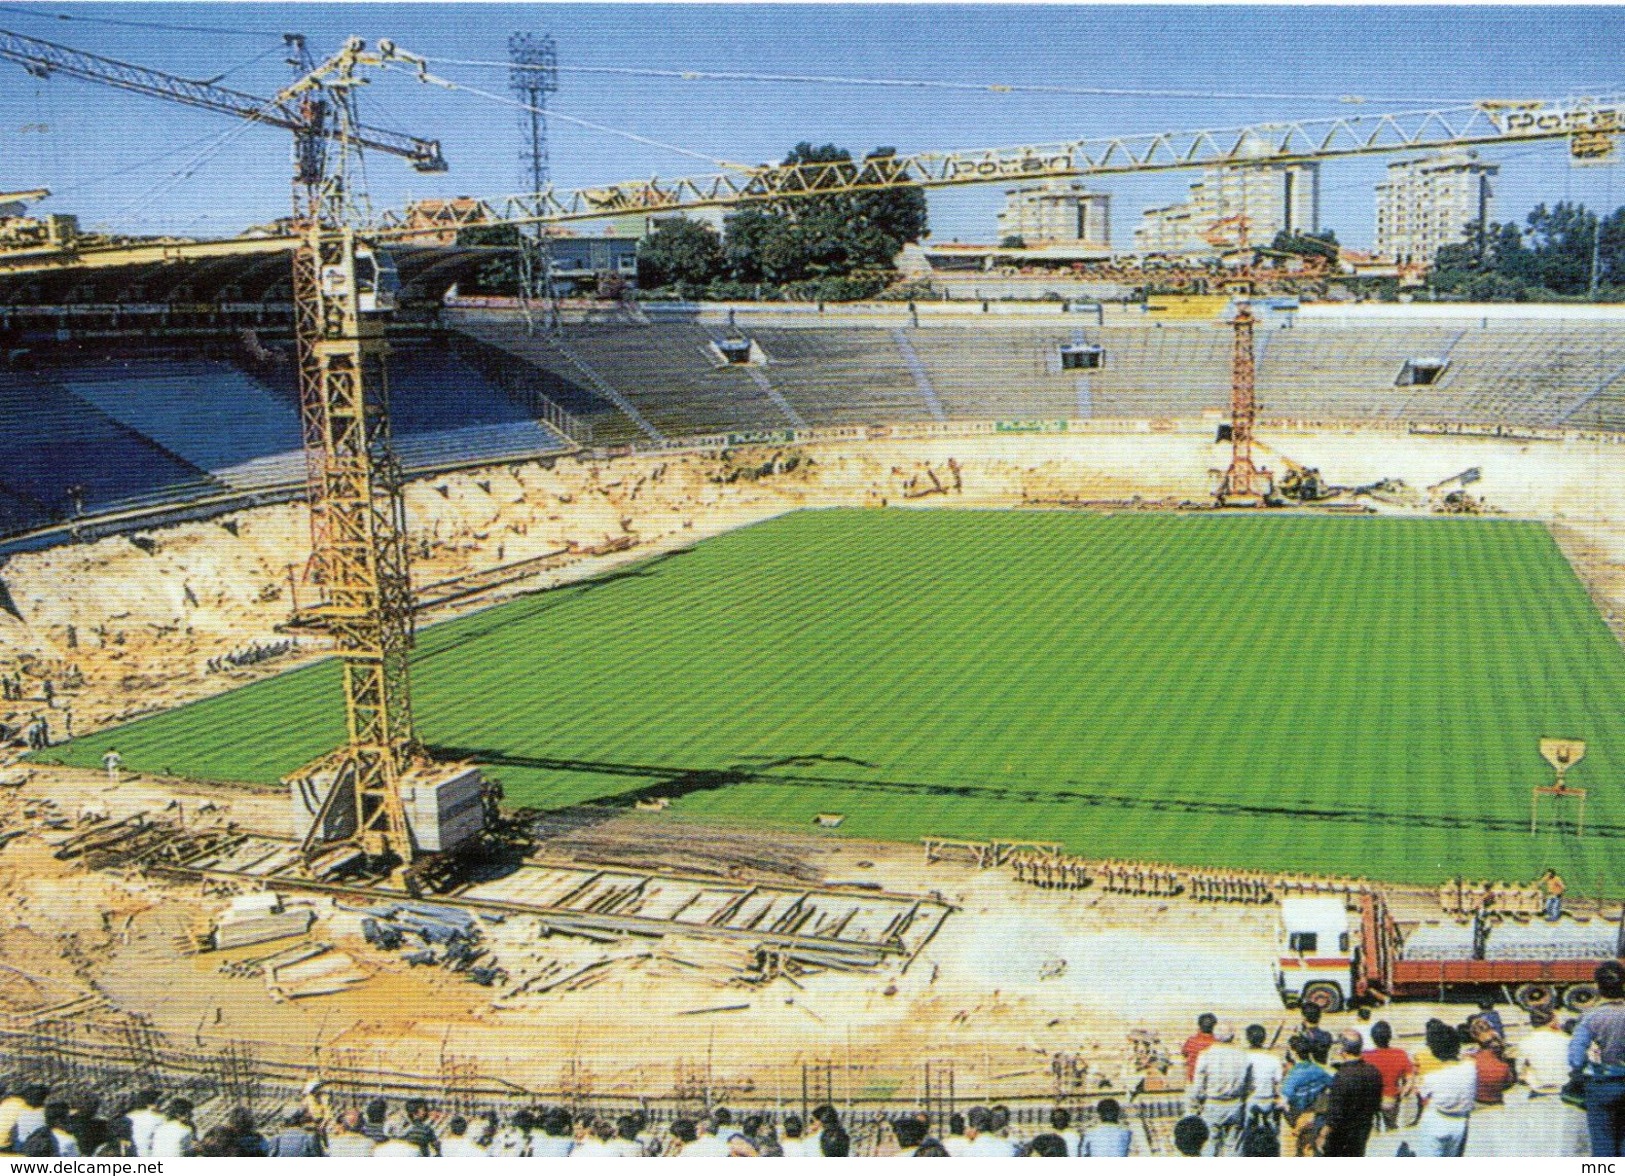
(1558, 797)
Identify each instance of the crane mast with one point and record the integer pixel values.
(1244, 484)
(355, 794)
(358, 518)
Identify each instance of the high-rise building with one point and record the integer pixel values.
(1273, 197)
(1055, 214)
(1428, 203)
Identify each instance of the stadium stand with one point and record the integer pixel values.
(60, 453)
(843, 376)
(208, 412)
(1539, 373)
(1339, 372)
(664, 379)
(149, 430)
(996, 372)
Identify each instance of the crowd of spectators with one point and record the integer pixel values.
(35, 1123)
(1556, 1090)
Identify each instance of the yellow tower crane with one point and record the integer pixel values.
(356, 796)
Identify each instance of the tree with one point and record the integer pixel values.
(819, 238)
(1561, 240)
(1013, 242)
(1321, 244)
(898, 213)
(680, 252)
(500, 274)
(1491, 265)
(1611, 250)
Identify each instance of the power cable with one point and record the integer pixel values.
(552, 112)
(105, 177)
(137, 24)
(189, 169)
(252, 61)
(689, 75)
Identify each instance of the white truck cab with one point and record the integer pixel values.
(1315, 958)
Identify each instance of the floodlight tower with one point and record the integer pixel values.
(534, 75)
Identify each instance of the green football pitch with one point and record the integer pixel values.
(1340, 695)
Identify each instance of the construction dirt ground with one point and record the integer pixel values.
(1027, 991)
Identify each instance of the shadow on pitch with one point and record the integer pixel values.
(661, 781)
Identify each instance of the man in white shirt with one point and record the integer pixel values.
(1264, 1074)
(1543, 1056)
(626, 1145)
(553, 1140)
(1060, 1121)
(513, 1140)
(910, 1132)
(1448, 1096)
(457, 1144)
(1109, 1137)
(173, 1137)
(30, 1116)
(595, 1144)
(955, 1143)
(144, 1119)
(1218, 1091)
(980, 1137)
(1548, 1126)
(347, 1140)
(707, 1141)
(795, 1143)
(56, 1118)
(397, 1148)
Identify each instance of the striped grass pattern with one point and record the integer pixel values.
(1346, 695)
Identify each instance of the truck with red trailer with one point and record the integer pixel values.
(1333, 957)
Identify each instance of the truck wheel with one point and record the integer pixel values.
(1580, 997)
(1530, 997)
(1325, 994)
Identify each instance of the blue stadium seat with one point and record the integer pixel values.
(208, 412)
(55, 441)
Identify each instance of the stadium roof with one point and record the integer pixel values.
(256, 271)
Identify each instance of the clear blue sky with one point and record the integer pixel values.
(110, 156)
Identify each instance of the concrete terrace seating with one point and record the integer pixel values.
(432, 390)
(475, 443)
(1162, 369)
(990, 371)
(1546, 378)
(841, 375)
(664, 372)
(208, 412)
(1314, 371)
(1531, 374)
(669, 373)
(156, 430)
(55, 442)
(555, 370)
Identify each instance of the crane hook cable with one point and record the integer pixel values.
(549, 112)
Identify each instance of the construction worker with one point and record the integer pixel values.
(1551, 883)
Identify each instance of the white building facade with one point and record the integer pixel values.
(1428, 203)
(1057, 214)
(1272, 197)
